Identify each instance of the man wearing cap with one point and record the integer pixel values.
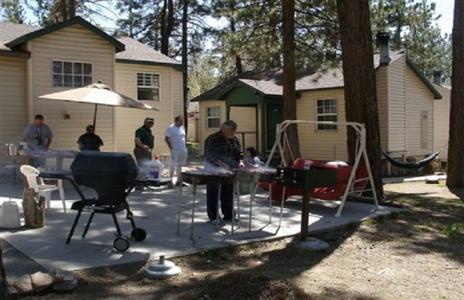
(144, 141)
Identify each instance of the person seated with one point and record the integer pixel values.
(251, 157)
(89, 141)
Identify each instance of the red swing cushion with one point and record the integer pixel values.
(325, 193)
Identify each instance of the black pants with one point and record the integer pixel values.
(227, 196)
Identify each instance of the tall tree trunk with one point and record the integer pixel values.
(185, 60)
(163, 23)
(237, 57)
(289, 76)
(71, 9)
(167, 25)
(455, 176)
(359, 79)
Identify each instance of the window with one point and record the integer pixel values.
(326, 110)
(148, 86)
(71, 74)
(213, 117)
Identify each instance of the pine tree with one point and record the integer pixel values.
(455, 174)
(289, 73)
(413, 27)
(359, 80)
(12, 11)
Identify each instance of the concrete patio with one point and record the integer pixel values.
(156, 212)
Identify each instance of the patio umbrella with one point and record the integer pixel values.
(98, 94)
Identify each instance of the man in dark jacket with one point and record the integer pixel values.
(89, 141)
(222, 149)
(144, 141)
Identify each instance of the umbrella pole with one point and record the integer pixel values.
(95, 116)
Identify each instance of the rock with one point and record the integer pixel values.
(41, 281)
(24, 285)
(64, 281)
(313, 244)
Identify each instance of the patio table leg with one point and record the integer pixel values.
(233, 205)
(179, 208)
(237, 194)
(194, 194)
(270, 203)
(252, 198)
(217, 205)
(282, 206)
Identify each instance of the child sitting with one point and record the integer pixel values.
(251, 157)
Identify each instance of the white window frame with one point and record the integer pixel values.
(208, 117)
(73, 75)
(326, 114)
(147, 86)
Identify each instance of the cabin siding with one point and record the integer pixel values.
(441, 113)
(382, 104)
(397, 106)
(203, 127)
(169, 106)
(74, 43)
(319, 144)
(245, 117)
(419, 100)
(13, 107)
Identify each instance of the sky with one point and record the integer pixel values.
(443, 8)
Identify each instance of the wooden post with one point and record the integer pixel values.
(305, 216)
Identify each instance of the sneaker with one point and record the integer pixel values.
(170, 185)
(219, 222)
(236, 220)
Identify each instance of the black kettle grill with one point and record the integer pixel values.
(112, 176)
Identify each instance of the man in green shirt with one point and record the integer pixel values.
(144, 141)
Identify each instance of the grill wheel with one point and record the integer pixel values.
(121, 243)
(138, 234)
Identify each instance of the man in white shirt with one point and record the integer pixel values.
(175, 139)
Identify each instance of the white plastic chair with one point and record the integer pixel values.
(37, 184)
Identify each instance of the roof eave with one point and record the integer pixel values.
(77, 20)
(321, 88)
(151, 63)
(18, 54)
(435, 92)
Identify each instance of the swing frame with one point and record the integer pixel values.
(361, 153)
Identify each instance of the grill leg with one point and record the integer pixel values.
(130, 217)
(88, 224)
(116, 224)
(73, 226)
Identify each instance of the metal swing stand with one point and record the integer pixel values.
(282, 143)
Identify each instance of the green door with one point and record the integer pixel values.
(274, 115)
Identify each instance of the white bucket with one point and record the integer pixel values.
(9, 215)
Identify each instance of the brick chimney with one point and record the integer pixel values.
(437, 76)
(383, 40)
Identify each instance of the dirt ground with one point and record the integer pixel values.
(414, 254)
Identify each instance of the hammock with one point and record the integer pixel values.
(411, 165)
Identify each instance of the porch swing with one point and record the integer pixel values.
(351, 180)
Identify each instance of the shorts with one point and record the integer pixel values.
(178, 157)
